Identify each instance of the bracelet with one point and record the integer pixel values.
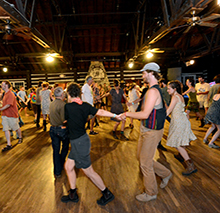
(132, 103)
(114, 115)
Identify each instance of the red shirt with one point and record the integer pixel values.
(12, 111)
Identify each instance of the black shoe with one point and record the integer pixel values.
(106, 198)
(161, 147)
(72, 196)
(115, 136)
(179, 157)
(6, 148)
(202, 123)
(93, 133)
(38, 125)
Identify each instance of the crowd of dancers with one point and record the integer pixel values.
(71, 109)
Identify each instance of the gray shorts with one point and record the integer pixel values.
(10, 123)
(80, 151)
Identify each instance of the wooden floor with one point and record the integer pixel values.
(27, 183)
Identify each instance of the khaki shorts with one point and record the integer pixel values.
(204, 104)
(10, 123)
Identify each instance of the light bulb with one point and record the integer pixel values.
(149, 55)
(49, 59)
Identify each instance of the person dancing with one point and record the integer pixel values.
(76, 114)
(117, 108)
(213, 117)
(180, 133)
(193, 104)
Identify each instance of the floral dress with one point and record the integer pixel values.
(180, 133)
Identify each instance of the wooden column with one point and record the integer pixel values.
(28, 79)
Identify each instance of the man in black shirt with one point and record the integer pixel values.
(76, 115)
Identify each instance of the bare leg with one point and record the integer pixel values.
(183, 152)
(7, 135)
(116, 126)
(215, 136)
(19, 133)
(206, 110)
(92, 123)
(199, 115)
(94, 177)
(123, 125)
(187, 113)
(69, 166)
(209, 131)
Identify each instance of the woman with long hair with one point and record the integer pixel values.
(116, 107)
(213, 117)
(180, 133)
(193, 104)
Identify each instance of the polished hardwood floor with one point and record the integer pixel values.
(27, 183)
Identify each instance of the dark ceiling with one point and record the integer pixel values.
(111, 31)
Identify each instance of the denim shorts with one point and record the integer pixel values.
(80, 151)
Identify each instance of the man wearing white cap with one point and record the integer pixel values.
(152, 116)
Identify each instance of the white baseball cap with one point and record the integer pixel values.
(151, 66)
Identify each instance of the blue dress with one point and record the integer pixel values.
(213, 114)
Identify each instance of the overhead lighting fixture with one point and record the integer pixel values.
(149, 54)
(5, 69)
(218, 2)
(131, 63)
(49, 58)
(191, 62)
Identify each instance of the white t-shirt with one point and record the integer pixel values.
(202, 88)
(87, 95)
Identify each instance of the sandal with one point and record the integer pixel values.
(20, 140)
(6, 148)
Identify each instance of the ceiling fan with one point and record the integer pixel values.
(11, 31)
(196, 20)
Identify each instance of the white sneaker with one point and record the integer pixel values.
(144, 197)
(165, 181)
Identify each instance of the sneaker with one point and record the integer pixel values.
(6, 148)
(93, 133)
(165, 181)
(106, 198)
(205, 141)
(72, 196)
(144, 197)
(214, 146)
(123, 137)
